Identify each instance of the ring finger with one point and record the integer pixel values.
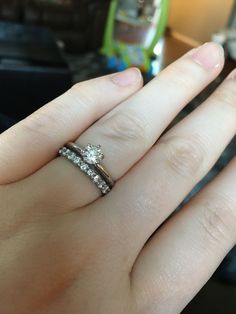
(129, 131)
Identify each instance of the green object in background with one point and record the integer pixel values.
(108, 46)
(133, 29)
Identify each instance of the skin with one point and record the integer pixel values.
(64, 249)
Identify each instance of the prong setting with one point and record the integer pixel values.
(93, 154)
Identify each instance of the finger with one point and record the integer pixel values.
(127, 132)
(183, 254)
(34, 141)
(159, 183)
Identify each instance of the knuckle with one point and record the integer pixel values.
(79, 95)
(127, 126)
(218, 218)
(183, 155)
(37, 124)
(226, 95)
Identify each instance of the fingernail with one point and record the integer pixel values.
(232, 75)
(127, 77)
(209, 55)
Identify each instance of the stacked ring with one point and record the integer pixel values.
(88, 161)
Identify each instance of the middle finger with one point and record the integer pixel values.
(180, 159)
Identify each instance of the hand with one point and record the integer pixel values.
(66, 250)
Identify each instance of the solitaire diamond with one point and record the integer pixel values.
(92, 154)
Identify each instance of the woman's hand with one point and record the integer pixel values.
(66, 250)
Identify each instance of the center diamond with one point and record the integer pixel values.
(92, 154)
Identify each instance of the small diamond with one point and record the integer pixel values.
(93, 175)
(84, 167)
(106, 190)
(100, 181)
(96, 179)
(90, 172)
(76, 160)
(93, 154)
(71, 156)
(74, 157)
(63, 151)
(68, 152)
(101, 184)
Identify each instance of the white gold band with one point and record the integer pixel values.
(78, 161)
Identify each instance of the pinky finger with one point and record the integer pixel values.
(179, 259)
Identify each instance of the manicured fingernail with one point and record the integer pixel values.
(127, 77)
(209, 55)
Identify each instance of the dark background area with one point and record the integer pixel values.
(79, 23)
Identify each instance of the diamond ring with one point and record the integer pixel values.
(88, 159)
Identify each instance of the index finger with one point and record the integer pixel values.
(34, 141)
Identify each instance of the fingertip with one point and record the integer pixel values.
(232, 75)
(128, 77)
(209, 56)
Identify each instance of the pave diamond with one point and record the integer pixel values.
(77, 160)
(105, 189)
(92, 154)
(101, 184)
(90, 172)
(93, 175)
(74, 157)
(71, 156)
(62, 151)
(96, 179)
(84, 167)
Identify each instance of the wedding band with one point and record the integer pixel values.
(88, 161)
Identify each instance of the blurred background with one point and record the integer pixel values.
(47, 45)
